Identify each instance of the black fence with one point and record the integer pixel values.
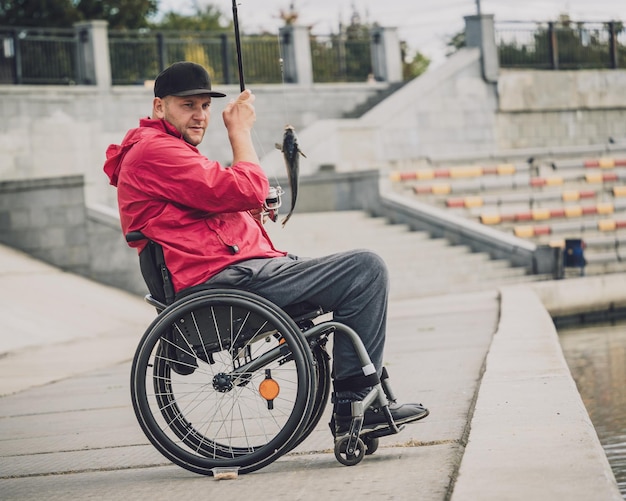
(50, 56)
(141, 55)
(337, 59)
(39, 56)
(561, 45)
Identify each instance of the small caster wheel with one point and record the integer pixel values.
(346, 458)
(371, 445)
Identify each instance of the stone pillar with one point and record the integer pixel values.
(94, 64)
(295, 46)
(386, 54)
(480, 32)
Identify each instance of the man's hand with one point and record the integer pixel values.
(239, 117)
(259, 214)
(239, 114)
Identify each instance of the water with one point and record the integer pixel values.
(596, 356)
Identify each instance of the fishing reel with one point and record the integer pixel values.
(273, 202)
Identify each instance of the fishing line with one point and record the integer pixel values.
(281, 62)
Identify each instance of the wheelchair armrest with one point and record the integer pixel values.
(135, 236)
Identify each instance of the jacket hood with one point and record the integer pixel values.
(115, 153)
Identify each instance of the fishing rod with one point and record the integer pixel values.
(242, 85)
(273, 200)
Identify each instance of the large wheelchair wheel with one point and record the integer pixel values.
(247, 391)
(321, 392)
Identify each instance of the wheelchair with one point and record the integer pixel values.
(224, 379)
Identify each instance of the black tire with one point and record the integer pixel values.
(322, 392)
(215, 416)
(344, 457)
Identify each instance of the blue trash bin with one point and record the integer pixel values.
(574, 253)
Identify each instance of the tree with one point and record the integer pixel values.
(455, 43)
(413, 66)
(120, 14)
(45, 13)
(208, 19)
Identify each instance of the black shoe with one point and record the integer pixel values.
(374, 418)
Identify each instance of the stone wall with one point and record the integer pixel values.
(449, 111)
(48, 219)
(560, 108)
(50, 131)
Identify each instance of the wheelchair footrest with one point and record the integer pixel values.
(384, 432)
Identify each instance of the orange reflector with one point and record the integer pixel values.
(269, 389)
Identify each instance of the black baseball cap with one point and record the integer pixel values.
(184, 79)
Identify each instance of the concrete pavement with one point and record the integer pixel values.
(506, 419)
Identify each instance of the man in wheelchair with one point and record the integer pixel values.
(208, 218)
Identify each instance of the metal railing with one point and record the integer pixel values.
(561, 45)
(137, 56)
(39, 56)
(336, 59)
(50, 56)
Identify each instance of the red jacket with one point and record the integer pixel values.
(194, 207)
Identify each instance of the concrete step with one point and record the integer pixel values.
(419, 266)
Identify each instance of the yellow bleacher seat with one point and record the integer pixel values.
(619, 191)
(490, 219)
(607, 225)
(575, 211)
(525, 231)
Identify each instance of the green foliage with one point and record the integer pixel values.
(413, 66)
(455, 43)
(208, 19)
(120, 14)
(568, 45)
(46, 13)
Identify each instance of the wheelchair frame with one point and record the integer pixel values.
(224, 378)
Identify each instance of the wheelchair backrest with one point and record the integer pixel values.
(153, 269)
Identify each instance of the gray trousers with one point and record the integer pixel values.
(353, 285)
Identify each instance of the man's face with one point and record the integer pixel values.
(189, 115)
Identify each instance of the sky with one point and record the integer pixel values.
(426, 25)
